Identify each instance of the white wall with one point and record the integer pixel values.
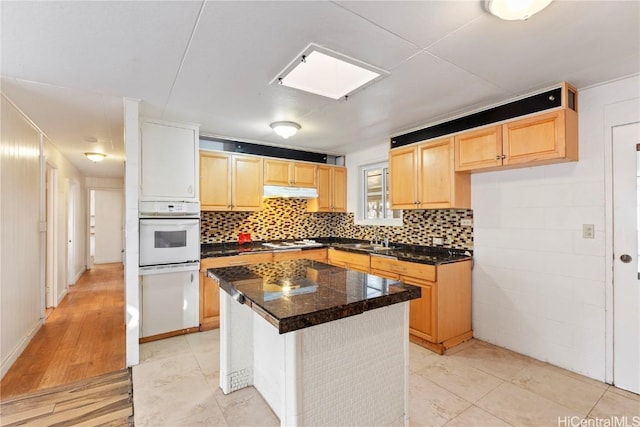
(538, 286)
(20, 255)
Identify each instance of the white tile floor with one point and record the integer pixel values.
(477, 384)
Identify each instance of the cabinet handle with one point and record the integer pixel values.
(497, 157)
(190, 189)
(503, 157)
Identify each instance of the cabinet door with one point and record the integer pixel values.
(303, 174)
(276, 172)
(323, 202)
(339, 187)
(422, 311)
(246, 183)
(168, 166)
(534, 139)
(215, 185)
(436, 171)
(440, 186)
(209, 303)
(478, 149)
(403, 181)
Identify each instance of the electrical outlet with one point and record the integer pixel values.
(438, 241)
(466, 223)
(588, 231)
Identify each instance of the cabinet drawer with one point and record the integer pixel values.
(404, 268)
(230, 261)
(385, 274)
(313, 254)
(351, 260)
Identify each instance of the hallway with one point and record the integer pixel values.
(84, 336)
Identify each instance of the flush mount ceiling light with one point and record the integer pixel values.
(95, 157)
(285, 129)
(327, 73)
(512, 10)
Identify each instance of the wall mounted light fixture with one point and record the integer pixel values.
(285, 129)
(95, 157)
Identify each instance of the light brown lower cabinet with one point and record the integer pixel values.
(210, 292)
(350, 260)
(441, 317)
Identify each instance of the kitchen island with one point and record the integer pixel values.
(322, 344)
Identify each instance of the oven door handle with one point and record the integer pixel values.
(169, 268)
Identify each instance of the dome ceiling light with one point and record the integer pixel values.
(285, 129)
(512, 10)
(95, 157)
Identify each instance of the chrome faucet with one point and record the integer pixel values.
(376, 237)
(380, 239)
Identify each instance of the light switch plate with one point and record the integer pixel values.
(466, 222)
(588, 231)
(438, 241)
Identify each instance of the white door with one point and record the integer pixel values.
(71, 228)
(108, 226)
(626, 283)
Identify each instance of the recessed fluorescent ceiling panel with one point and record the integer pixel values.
(327, 73)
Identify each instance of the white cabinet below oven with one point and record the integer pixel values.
(169, 303)
(168, 161)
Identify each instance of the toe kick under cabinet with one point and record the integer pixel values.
(441, 318)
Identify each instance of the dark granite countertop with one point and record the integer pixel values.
(297, 294)
(411, 253)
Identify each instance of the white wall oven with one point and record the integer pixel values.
(169, 241)
(169, 264)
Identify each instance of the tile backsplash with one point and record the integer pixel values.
(283, 219)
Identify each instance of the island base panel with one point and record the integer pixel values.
(325, 374)
(236, 344)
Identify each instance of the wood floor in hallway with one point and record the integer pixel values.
(84, 336)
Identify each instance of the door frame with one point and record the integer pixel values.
(51, 260)
(618, 114)
(90, 262)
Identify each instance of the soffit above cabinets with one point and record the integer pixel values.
(68, 65)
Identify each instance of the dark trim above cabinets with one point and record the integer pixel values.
(266, 150)
(532, 104)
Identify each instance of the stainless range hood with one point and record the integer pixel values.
(274, 191)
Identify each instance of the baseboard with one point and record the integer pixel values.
(77, 276)
(61, 296)
(17, 351)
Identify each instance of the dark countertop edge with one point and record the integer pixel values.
(307, 320)
(448, 255)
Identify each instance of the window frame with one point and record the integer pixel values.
(361, 216)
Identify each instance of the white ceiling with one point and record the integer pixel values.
(68, 65)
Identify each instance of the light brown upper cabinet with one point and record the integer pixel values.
(289, 174)
(422, 176)
(539, 139)
(478, 149)
(332, 190)
(230, 182)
